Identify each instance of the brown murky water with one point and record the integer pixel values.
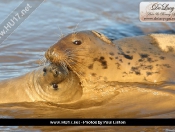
(21, 52)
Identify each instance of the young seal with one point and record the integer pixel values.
(50, 83)
(93, 57)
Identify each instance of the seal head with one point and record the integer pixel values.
(83, 52)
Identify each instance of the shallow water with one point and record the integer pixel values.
(22, 52)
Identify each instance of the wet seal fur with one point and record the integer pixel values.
(49, 83)
(93, 57)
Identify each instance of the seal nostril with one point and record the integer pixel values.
(44, 70)
(55, 86)
(56, 72)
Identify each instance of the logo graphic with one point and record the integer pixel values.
(17, 17)
(157, 11)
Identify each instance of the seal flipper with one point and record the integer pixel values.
(164, 42)
(102, 37)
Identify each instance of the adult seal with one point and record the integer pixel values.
(49, 83)
(93, 57)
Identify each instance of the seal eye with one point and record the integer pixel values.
(77, 42)
(55, 86)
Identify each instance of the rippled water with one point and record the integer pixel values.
(21, 52)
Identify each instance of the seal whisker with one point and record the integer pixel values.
(75, 61)
(75, 50)
(78, 66)
(63, 64)
(79, 56)
(42, 60)
(74, 30)
(73, 68)
(73, 53)
(62, 35)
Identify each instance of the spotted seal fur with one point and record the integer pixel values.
(93, 57)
